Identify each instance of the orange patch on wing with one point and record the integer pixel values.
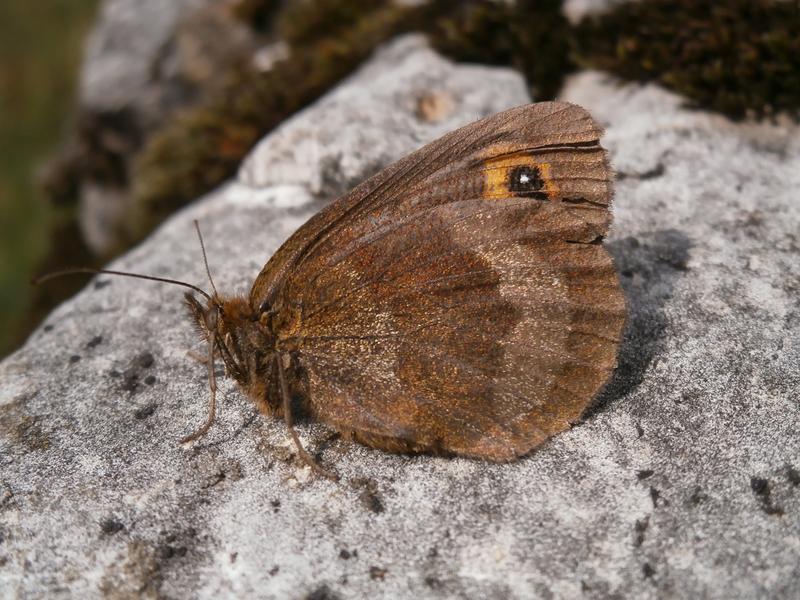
(497, 172)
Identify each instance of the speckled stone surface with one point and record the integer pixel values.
(683, 481)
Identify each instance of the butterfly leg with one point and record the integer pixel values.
(212, 405)
(289, 420)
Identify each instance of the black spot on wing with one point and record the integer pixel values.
(526, 181)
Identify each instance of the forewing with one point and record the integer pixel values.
(463, 303)
(562, 136)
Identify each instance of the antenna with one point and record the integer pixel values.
(205, 259)
(75, 271)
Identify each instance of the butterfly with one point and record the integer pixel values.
(459, 302)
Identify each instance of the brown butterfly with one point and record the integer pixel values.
(458, 302)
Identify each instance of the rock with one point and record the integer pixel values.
(145, 61)
(127, 54)
(680, 482)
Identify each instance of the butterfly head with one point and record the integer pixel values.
(237, 335)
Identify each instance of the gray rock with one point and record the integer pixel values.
(681, 482)
(137, 59)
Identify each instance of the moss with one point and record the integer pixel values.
(303, 21)
(529, 35)
(258, 14)
(738, 57)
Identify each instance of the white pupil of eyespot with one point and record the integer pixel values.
(524, 178)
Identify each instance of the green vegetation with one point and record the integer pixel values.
(40, 50)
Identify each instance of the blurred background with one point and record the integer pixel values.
(115, 113)
(40, 52)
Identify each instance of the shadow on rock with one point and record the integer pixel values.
(649, 266)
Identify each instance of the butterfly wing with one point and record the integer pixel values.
(460, 301)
